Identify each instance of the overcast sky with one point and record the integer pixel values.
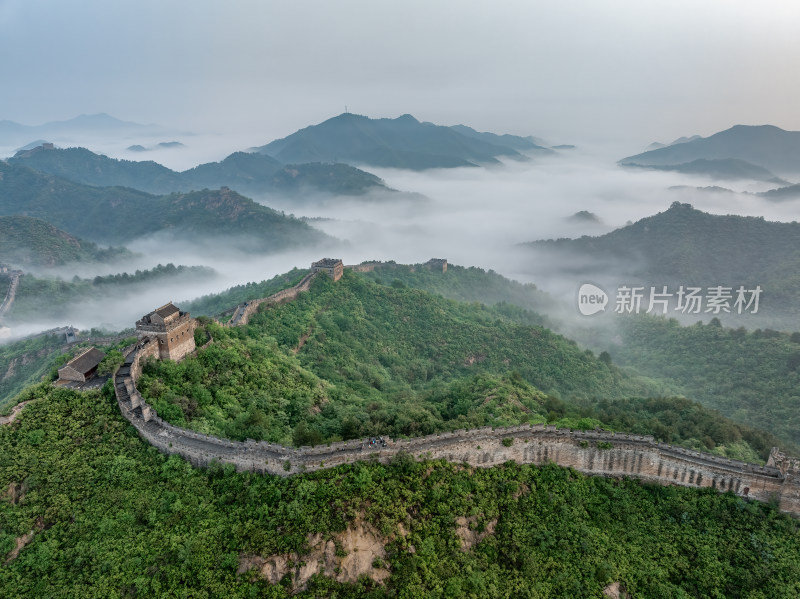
(563, 69)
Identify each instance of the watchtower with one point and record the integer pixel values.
(173, 329)
(333, 267)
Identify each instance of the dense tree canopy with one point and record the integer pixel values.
(110, 517)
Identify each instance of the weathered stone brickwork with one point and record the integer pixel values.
(363, 267)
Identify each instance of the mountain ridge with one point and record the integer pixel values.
(717, 168)
(26, 241)
(126, 214)
(403, 142)
(247, 173)
(767, 146)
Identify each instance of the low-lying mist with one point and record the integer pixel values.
(471, 216)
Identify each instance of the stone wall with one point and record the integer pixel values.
(11, 293)
(179, 339)
(244, 311)
(591, 452)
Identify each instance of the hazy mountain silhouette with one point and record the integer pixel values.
(684, 246)
(782, 194)
(765, 145)
(681, 140)
(403, 142)
(85, 123)
(523, 144)
(725, 168)
(247, 173)
(118, 214)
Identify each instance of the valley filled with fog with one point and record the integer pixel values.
(473, 216)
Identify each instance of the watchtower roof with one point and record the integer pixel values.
(84, 362)
(167, 310)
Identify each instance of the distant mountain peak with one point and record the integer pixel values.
(402, 142)
(766, 146)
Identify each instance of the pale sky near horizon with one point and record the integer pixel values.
(585, 69)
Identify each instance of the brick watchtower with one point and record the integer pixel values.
(333, 267)
(173, 329)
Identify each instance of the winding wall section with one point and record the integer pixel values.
(243, 312)
(599, 453)
(591, 452)
(14, 275)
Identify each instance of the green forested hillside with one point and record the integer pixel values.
(353, 359)
(247, 173)
(117, 214)
(468, 284)
(385, 356)
(25, 362)
(108, 516)
(26, 241)
(752, 377)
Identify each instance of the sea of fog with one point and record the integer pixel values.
(471, 216)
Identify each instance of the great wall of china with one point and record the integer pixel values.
(243, 312)
(591, 452)
(11, 293)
